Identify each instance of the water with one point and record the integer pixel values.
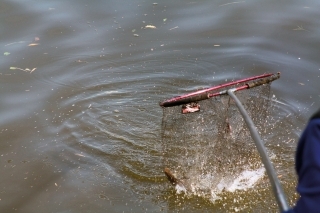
(81, 133)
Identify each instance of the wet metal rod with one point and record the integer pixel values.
(275, 183)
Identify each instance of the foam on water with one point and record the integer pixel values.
(247, 179)
(209, 187)
(180, 188)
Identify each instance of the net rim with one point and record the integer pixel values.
(203, 94)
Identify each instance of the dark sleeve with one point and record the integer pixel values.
(308, 168)
(315, 115)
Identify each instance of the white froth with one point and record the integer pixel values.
(208, 185)
(247, 179)
(180, 188)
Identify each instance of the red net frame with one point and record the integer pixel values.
(220, 90)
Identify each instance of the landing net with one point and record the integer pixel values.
(210, 150)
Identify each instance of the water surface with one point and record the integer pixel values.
(81, 132)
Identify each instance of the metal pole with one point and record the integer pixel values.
(275, 183)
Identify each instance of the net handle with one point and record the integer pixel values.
(275, 183)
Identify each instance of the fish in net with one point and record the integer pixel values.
(208, 148)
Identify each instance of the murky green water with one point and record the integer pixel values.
(80, 83)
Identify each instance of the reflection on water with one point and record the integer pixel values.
(81, 133)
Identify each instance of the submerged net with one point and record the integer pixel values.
(211, 150)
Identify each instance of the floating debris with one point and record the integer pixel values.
(25, 70)
(33, 44)
(78, 154)
(174, 28)
(155, 3)
(150, 27)
(301, 28)
(135, 35)
(6, 53)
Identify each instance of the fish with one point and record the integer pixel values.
(179, 184)
(173, 180)
(189, 108)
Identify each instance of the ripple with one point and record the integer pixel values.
(89, 117)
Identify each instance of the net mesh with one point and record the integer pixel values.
(208, 150)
